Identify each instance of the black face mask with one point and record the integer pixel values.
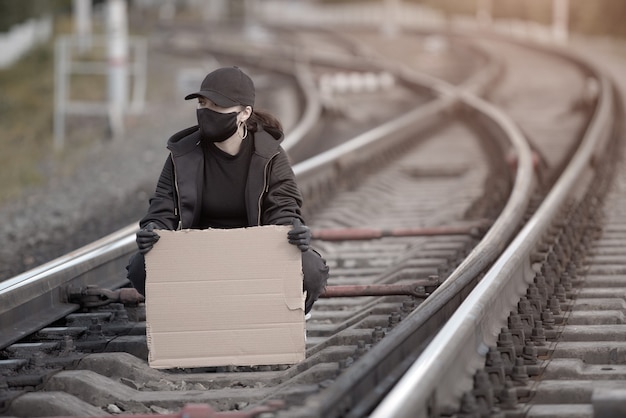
(215, 126)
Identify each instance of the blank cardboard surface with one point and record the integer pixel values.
(221, 297)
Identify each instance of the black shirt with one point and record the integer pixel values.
(223, 191)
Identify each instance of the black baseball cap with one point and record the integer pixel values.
(226, 87)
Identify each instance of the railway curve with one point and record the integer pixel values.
(357, 347)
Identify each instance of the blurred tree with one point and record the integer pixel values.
(13, 12)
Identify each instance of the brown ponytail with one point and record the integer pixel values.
(261, 119)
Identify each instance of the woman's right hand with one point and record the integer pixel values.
(146, 238)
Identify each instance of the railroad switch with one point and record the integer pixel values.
(415, 290)
(354, 234)
(420, 289)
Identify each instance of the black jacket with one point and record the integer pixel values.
(272, 196)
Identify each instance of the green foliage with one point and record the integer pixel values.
(26, 119)
(13, 12)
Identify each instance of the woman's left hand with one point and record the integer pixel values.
(299, 235)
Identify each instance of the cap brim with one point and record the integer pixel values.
(213, 96)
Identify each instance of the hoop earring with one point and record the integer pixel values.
(245, 130)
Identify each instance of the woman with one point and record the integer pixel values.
(229, 171)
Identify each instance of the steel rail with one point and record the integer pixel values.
(45, 288)
(476, 84)
(312, 109)
(103, 262)
(385, 363)
(342, 161)
(447, 364)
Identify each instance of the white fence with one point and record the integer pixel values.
(21, 38)
(68, 62)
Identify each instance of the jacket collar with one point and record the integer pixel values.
(266, 142)
(184, 141)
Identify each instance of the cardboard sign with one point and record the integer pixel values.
(220, 297)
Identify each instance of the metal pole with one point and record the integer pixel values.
(82, 24)
(117, 28)
(484, 13)
(60, 91)
(391, 17)
(560, 17)
(251, 28)
(139, 73)
(214, 10)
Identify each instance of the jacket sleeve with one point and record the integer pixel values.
(162, 210)
(282, 200)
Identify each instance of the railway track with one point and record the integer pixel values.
(506, 345)
(441, 226)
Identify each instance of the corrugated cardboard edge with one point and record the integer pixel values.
(294, 303)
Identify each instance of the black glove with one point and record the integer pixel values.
(146, 238)
(299, 235)
(315, 277)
